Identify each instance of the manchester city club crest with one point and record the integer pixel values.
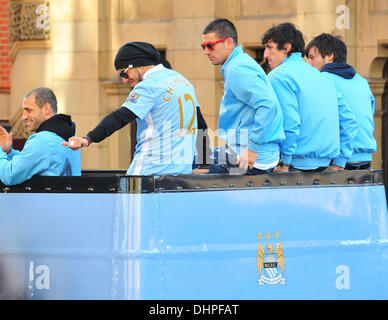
(270, 261)
(133, 97)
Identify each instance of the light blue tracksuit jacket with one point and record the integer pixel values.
(42, 155)
(317, 123)
(250, 115)
(361, 101)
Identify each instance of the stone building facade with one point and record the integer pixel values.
(69, 46)
(5, 60)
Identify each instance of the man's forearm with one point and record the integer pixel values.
(111, 123)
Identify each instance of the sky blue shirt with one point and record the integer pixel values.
(250, 115)
(310, 112)
(361, 101)
(165, 103)
(42, 155)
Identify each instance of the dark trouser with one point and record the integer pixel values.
(234, 169)
(320, 169)
(362, 165)
(225, 162)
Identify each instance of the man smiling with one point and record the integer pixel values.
(42, 153)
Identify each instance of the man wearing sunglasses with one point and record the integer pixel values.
(164, 105)
(250, 117)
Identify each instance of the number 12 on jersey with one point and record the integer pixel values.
(190, 129)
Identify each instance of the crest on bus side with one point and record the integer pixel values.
(270, 261)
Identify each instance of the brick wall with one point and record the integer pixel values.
(5, 60)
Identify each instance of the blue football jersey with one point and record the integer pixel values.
(165, 104)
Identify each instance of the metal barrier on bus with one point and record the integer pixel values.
(105, 235)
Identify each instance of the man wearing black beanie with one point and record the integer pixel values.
(165, 107)
(133, 59)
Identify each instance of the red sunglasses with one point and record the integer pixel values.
(210, 45)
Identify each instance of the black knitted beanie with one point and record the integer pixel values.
(137, 54)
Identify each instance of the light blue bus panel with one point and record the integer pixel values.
(276, 236)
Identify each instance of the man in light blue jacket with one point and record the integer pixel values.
(317, 121)
(329, 54)
(250, 117)
(42, 153)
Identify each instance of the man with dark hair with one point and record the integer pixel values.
(222, 27)
(250, 118)
(329, 47)
(164, 105)
(310, 105)
(42, 153)
(329, 54)
(286, 37)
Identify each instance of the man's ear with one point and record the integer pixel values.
(47, 110)
(230, 43)
(287, 47)
(329, 58)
